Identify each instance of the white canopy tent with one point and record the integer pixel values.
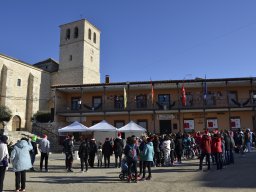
(132, 129)
(73, 127)
(102, 130)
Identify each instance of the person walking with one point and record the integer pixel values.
(166, 147)
(118, 150)
(4, 156)
(44, 148)
(178, 147)
(21, 162)
(84, 154)
(68, 150)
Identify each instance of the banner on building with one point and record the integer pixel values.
(188, 125)
(212, 124)
(235, 123)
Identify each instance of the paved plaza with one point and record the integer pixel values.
(238, 177)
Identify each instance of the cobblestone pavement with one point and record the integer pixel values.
(186, 177)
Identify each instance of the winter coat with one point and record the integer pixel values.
(68, 146)
(131, 152)
(148, 152)
(178, 146)
(227, 142)
(93, 148)
(34, 150)
(107, 149)
(20, 156)
(3, 152)
(156, 144)
(206, 144)
(84, 149)
(166, 146)
(216, 145)
(118, 146)
(44, 146)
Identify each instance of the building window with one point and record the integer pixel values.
(141, 101)
(232, 98)
(163, 101)
(67, 34)
(75, 103)
(89, 34)
(96, 103)
(70, 58)
(143, 123)
(119, 102)
(19, 82)
(76, 32)
(119, 123)
(94, 37)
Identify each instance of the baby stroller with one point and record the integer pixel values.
(124, 171)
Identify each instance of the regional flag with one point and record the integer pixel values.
(125, 98)
(183, 96)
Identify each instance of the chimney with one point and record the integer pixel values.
(107, 79)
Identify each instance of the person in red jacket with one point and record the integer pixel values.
(217, 150)
(206, 149)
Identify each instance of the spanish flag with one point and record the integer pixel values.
(183, 96)
(152, 92)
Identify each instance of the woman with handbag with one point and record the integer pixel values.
(4, 156)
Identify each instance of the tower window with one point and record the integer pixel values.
(19, 82)
(89, 34)
(94, 37)
(67, 34)
(76, 32)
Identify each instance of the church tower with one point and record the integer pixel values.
(79, 53)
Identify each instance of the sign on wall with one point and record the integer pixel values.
(212, 123)
(235, 123)
(188, 125)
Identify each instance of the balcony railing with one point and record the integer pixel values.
(199, 103)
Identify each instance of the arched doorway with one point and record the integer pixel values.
(16, 122)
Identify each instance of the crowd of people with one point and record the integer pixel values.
(135, 158)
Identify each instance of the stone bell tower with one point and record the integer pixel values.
(79, 53)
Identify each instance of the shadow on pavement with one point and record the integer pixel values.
(239, 175)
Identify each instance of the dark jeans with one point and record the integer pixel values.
(118, 158)
(2, 174)
(20, 180)
(218, 159)
(132, 163)
(227, 156)
(172, 156)
(157, 158)
(69, 160)
(91, 159)
(207, 160)
(141, 166)
(44, 156)
(148, 165)
(106, 160)
(33, 157)
(84, 162)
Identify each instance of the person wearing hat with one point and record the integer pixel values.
(44, 148)
(34, 151)
(4, 156)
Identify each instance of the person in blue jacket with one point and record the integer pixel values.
(148, 154)
(21, 162)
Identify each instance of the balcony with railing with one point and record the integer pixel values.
(192, 102)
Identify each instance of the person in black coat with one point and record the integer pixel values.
(107, 151)
(84, 150)
(93, 151)
(118, 150)
(178, 147)
(157, 156)
(68, 145)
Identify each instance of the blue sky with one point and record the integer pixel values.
(141, 39)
